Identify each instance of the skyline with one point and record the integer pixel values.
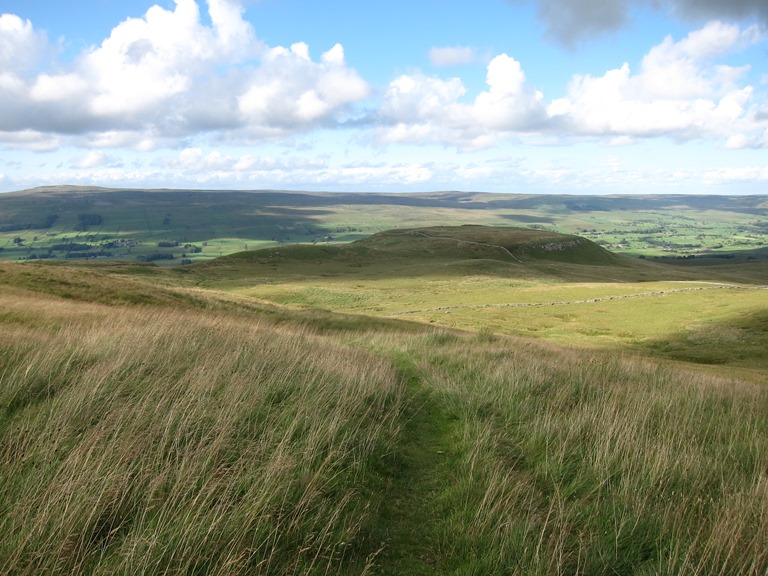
(502, 96)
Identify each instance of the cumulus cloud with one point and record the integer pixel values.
(676, 92)
(21, 46)
(171, 75)
(29, 140)
(451, 56)
(422, 109)
(569, 21)
(291, 89)
(168, 75)
(680, 90)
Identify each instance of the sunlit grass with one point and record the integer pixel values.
(572, 463)
(157, 440)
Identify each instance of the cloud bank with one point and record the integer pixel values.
(676, 93)
(680, 91)
(168, 77)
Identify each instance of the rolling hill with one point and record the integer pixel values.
(169, 226)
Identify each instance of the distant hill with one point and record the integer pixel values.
(171, 226)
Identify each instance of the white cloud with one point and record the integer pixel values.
(291, 90)
(677, 92)
(168, 75)
(452, 55)
(423, 109)
(21, 46)
(173, 77)
(195, 160)
(732, 175)
(375, 174)
(196, 166)
(29, 140)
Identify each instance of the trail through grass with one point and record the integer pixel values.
(412, 516)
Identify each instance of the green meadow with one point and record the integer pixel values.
(463, 400)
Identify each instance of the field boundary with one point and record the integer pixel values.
(571, 302)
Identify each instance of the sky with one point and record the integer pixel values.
(520, 96)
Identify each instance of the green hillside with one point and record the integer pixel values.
(417, 252)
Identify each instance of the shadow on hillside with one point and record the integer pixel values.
(740, 342)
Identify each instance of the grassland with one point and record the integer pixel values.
(275, 412)
(580, 296)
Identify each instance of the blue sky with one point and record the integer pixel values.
(525, 96)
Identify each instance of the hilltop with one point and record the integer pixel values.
(497, 243)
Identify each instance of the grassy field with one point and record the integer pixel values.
(276, 412)
(581, 296)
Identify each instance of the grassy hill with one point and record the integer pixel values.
(418, 252)
(151, 424)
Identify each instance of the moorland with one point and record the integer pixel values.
(473, 385)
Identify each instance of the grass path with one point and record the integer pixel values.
(412, 518)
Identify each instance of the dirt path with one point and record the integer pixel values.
(589, 301)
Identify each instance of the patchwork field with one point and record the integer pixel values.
(172, 227)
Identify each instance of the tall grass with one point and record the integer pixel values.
(163, 441)
(186, 435)
(581, 464)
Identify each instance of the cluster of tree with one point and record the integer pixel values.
(121, 244)
(101, 253)
(682, 257)
(154, 257)
(69, 247)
